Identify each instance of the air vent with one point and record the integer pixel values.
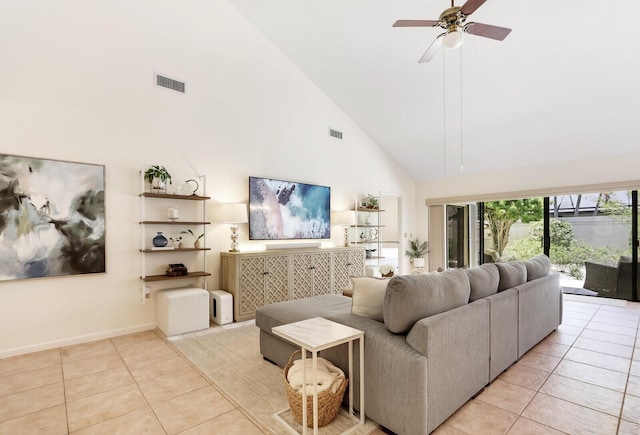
(335, 133)
(168, 83)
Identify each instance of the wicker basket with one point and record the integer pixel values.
(328, 402)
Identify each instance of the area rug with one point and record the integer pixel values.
(229, 356)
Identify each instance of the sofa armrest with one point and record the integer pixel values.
(395, 376)
(456, 344)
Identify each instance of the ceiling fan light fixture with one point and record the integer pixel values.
(453, 38)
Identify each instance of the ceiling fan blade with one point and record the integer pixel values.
(433, 49)
(487, 30)
(470, 6)
(415, 23)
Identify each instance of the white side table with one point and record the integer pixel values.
(314, 335)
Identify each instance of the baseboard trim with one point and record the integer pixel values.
(75, 340)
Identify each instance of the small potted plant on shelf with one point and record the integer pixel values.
(157, 176)
(196, 243)
(372, 202)
(416, 251)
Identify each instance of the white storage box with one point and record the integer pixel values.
(221, 307)
(182, 310)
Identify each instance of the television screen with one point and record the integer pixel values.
(282, 210)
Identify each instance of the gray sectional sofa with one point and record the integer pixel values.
(444, 337)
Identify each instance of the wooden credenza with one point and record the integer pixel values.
(264, 277)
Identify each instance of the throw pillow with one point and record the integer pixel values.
(512, 274)
(368, 296)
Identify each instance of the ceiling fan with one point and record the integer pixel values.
(453, 21)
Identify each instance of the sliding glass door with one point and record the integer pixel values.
(591, 242)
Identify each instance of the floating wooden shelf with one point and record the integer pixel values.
(176, 222)
(149, 251)
(150, 278)
(171, 196)
(373, 210)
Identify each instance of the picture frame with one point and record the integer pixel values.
(52, 217)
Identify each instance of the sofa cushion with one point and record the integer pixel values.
(537, 267)
(410, 298)
(483, 280)
(368, 296)
(285, 312)
(512, 274)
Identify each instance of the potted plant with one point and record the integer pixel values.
(196, 243)
(157, 176)
(372, 201)
(416, 251)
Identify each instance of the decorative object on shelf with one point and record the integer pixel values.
(177, 240)
(53, 218)
(232, 213)
(177, 269)
(416, 251)
(187, 188)
(160, 241)
(173, 212)
(374, 233)
(345, 218)
(157, 176)
(372, 202)
(368, 252)
(196, 242)
(386, 270)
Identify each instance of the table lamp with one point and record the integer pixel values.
(233, 213)
(345, 218)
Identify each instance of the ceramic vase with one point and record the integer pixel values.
(160, 241)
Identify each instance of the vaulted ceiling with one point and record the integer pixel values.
(562, 86)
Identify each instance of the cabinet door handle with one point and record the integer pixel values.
(265, 273)
(349, 264)
(312, 267)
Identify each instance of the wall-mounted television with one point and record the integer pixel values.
(286, 210)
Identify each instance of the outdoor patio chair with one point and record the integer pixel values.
(610, 281)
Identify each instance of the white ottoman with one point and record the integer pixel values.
(182, 310)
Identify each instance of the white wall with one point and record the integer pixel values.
(76, 83)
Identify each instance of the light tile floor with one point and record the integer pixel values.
(126, 385)
(584, 378)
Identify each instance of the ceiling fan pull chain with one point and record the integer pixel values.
(461, 142)
(444, 116)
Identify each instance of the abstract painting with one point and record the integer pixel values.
(51, 218)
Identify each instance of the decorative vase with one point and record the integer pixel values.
(418, 262)
(160, 241)
(179, 245)
(158, 186)
(196, 244)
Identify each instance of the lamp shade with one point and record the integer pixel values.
(344, 217)
(230, 213)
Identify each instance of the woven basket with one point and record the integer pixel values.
(328, 402)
